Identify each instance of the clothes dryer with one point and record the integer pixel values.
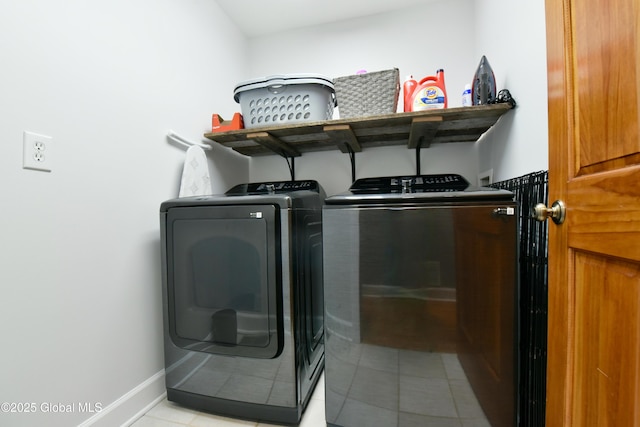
(243, 299)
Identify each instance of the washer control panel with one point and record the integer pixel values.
(410, 184)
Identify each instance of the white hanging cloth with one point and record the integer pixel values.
(195, 174)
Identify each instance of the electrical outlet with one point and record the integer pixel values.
(36, 151)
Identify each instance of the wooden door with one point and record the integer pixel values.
(593, 60)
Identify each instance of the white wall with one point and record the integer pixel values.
(452, 35)
(80, 281)
(512, 36)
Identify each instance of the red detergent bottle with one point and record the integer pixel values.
(429, 93)
(408, 88)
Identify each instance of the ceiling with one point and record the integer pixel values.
(259, 17)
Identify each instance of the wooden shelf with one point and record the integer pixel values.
(418, 129)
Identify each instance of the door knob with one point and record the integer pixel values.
(557, 212)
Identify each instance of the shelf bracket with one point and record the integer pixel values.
(292, 167)
(274, 144)
(346, 140)
(352, 158)
(423, 129)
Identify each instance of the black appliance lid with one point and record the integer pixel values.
(416, 188)
(286, 194)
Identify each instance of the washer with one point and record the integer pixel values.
(243, 299)
(421, 303)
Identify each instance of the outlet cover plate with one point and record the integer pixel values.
(36, 151)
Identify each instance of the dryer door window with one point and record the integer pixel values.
(224, 279)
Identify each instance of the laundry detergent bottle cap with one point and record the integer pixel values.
(431, 93)
(408, 88)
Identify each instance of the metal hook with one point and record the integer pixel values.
(185, 142)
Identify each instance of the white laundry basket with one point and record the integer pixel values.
(283, 99)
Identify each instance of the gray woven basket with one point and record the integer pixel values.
(368, 94)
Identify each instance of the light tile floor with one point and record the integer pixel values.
(169, 414)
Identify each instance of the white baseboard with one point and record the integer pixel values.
(132, 405)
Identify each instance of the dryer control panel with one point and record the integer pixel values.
(274, 187)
